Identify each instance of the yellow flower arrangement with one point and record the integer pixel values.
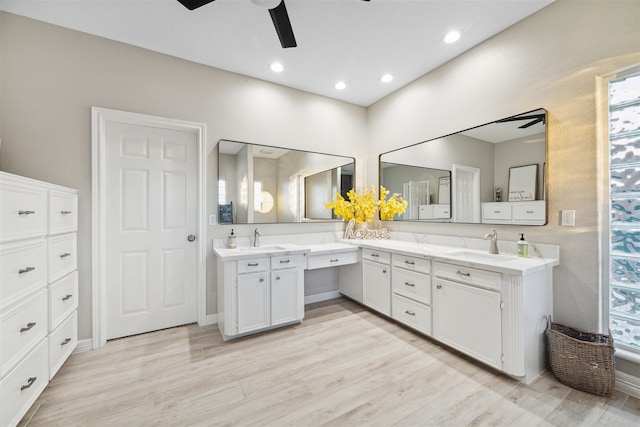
(363, 208)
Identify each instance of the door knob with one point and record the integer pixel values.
(191, 237)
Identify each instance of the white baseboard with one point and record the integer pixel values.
(309, 299)
(84, 345)
(210, 319)
(628, 384)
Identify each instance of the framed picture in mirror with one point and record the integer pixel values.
(523, 183)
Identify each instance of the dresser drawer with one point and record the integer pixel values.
(62, 256)
(21, 387)
(469, 275)
(23, 211)
(253, 265)
(376, 255)
(279, 262)
(23, 269)
(496, 211)
(332, 259)
(529, 212)
(62, 342)
(412, 284)
(21, 328)
(63, 299)
(411, 313)
(412, 263)
(63, 212)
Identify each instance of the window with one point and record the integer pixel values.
(623, 222)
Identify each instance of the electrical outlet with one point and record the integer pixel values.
(212, 219)
(568, 218)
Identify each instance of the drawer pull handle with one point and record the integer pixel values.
(439, 286)
(277, 277)
(496, 211)
(410, 284)
(26, 212)
(64, 255)
(28, 327)
(252, 264)
(65, 212)
(334, 260)
(65, 342)
(410, 263)
(384, 271)
(66, 297)
(261, 280)
(285, 261)
(410, 313)
(375, 255)
(460, 273)
(26, 270)
(29, 383)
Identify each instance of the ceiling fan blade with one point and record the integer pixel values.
(280, 19)
(194, 4)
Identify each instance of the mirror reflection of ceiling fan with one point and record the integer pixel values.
(277, 10)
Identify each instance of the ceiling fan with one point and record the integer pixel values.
(277, 10)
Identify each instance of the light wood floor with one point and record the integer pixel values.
(342, 366)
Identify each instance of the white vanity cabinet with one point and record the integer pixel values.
(411, 285)
(495, 317)
(376, 280)
(260, 292)
(38, 288)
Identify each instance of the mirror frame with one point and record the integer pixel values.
(302, 213)
(534, 116)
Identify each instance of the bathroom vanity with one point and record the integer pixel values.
(492, 307)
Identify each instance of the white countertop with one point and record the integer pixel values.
(508, 263)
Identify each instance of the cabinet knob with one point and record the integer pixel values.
(191, 237)
(277, 277)
(439, 286)
(384, 271)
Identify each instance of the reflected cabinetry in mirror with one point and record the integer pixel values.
(460, 177)
(260, 184)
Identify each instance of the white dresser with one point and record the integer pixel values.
(38, 288)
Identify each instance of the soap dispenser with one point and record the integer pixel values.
(523, 247)
(231, 240)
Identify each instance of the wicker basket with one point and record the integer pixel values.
(582, 360)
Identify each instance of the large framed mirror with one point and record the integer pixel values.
(259, 184)
(465, 177)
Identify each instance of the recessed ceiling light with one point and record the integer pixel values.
(340, 85)
(277, 67)
(386, 78)
(452, 36)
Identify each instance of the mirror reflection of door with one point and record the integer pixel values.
(466, 193)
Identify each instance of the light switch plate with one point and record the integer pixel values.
(568, 218)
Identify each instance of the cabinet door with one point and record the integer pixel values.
(377, 286)
(469, 319)
(285, 294)
(253, 302)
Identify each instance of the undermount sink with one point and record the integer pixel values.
(265, 248)
(470, 255)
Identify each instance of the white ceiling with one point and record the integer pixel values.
(349, 40)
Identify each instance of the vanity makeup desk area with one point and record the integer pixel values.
(490, 306)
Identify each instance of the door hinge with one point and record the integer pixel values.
(501, 305)
(502, 358)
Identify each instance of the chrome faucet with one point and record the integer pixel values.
(256, 238)
(493, 247)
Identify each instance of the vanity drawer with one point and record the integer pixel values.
(23, 211)
(62, 342)
(411, 313)
(279, 262)
(496, 211)
(62, 256)
(22, 386)
(253, 265)
(469, 275)
(412, 263)
(63, 212)
(24, 269)
(376, 255)
(529, 211)
(412, 284)
(21, 328)
(332, 259)
(63, 299)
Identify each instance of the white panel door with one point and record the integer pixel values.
(151, 198)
